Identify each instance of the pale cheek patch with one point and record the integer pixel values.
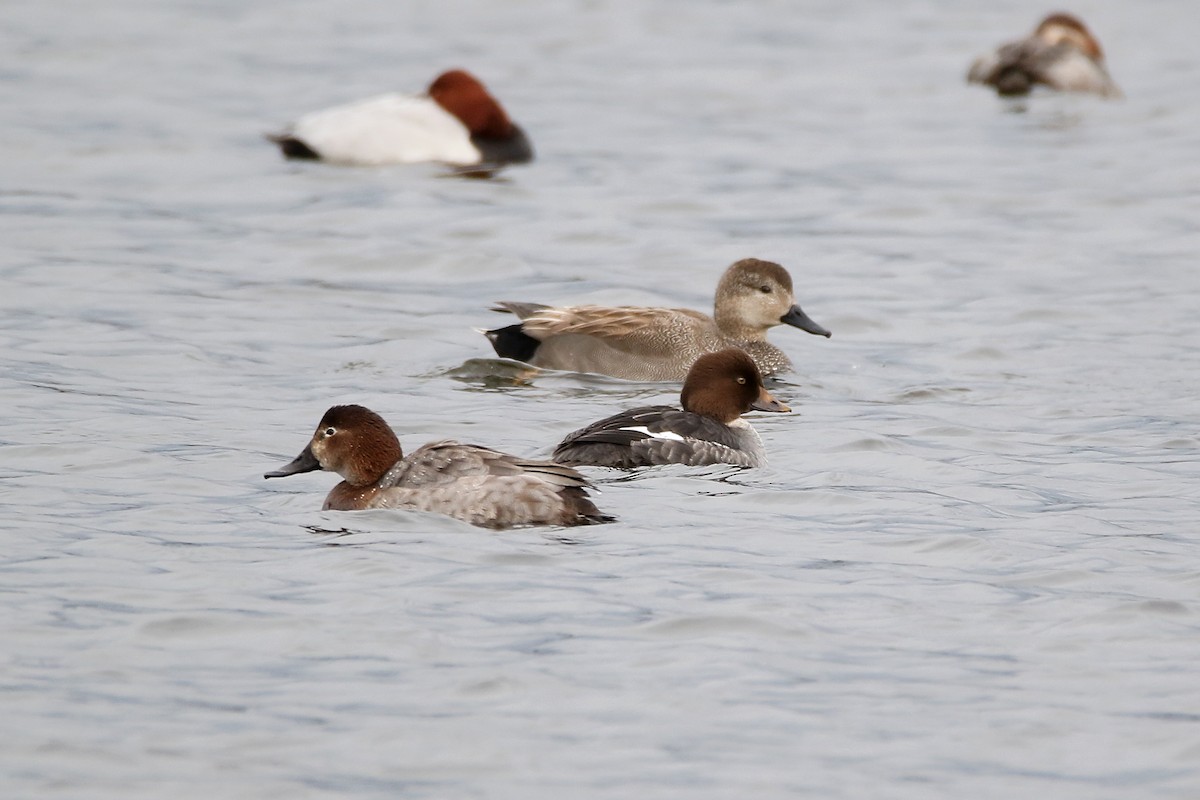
(670, 437)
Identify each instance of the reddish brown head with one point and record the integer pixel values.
(460, 93)
(726, 384)
(352, 441)
(1062, 27)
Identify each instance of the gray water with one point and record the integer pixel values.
(970, 569)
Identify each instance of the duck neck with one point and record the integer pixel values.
(736, 328)
(348, 497)
(702, 403)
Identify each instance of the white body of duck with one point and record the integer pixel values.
(458, 122)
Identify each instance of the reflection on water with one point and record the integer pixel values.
(967, 569)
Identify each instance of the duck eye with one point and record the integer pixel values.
(330, 431)
(741, 379)
(765, 289)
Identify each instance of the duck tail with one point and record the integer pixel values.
(512, 342)
(578, 508)
(293, 147)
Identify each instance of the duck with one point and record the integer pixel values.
(471, 483)
(1061, 54)
(720, 388)
(659, 344)
(457, 122)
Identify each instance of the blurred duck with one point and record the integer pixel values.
(720, 387)
(1061, 54)
(457, 122)
(659, 344)
(471, 483)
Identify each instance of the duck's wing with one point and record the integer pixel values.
(609, 322)
(998, 66)
(1017, 67)
(489, 488)
(631, 342)
(521, 310)
(983, 67)
(654, 435)
(634, 331)
(443, 463)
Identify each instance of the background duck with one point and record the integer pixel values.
(720, 387)
(457, 122)
(1061, 54)
(475, 484)
(659, 344)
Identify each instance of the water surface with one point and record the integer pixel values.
(970, 568)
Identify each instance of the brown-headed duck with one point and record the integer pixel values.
(1061, 54)
(468, 482)
(720, 387)
(457, 122)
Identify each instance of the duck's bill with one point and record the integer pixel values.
(798, 319)
(305, 462)
(766, 402)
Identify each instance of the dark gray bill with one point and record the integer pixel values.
(765, 402)
(305, 462)
(798, 319)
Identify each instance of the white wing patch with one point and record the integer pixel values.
(668, 435)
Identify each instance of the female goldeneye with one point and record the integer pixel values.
(659, 344)
(471, 483)
(457, 122)
(720, 387)
(1061, 54)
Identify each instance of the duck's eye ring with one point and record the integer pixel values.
(741, 379)
(330, 431)
(765, 288)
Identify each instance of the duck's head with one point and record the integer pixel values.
(755, 295)
(724, 385)
(1063, 28)
(461, 93)
(352, 441)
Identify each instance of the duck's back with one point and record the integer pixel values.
(650, 344)
(388, 129)
(1015, 68)
(654, 435)
(486, 487)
